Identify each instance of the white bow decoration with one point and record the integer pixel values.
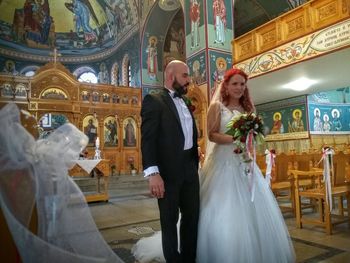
(327, 157)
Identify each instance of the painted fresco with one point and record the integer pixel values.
(89, 25)
(218, 63)
(152, 45)
(54, 94)
(285, 119)
(150, 90)
(197, 68)
(110, 132)
(174, 45)
(329, 112)
(329, 118)
(194, 26)
(10, 67)
(220, 32)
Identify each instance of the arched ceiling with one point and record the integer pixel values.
(250, 14)
(76, 27)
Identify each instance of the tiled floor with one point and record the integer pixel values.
(125, 219)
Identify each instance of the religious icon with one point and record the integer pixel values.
(326, 124)
(90, 125)
(297, 124)
(277, 124)
(110, 132)
(219, 13)
(129, 133)
(219, 73)
(336, 123)
(103, 76)
(318, 126)
(194, 18)
(152, 61)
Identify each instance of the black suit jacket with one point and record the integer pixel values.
(162, 138)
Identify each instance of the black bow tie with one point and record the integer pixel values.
(177, 95)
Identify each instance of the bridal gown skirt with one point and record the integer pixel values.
(232, 228)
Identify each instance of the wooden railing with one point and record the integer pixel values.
(307, 18)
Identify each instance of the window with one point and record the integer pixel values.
(29, 73)
(89, 77)
(129, 74)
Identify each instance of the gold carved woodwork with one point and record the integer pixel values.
(55, 77)
(305, 19)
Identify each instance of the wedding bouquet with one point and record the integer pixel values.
(247, 130)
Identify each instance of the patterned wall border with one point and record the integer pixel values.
(313, 45)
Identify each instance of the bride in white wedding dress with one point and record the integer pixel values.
(232, 227)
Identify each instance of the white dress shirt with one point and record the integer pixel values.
(186, 124)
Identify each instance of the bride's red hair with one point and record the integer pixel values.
(245, 101)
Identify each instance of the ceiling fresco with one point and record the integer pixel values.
(250, 14)
(73, 26)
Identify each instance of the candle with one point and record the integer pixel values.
(97, 143)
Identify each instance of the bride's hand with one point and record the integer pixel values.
(156, 186)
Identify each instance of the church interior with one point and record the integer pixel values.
(91, 62)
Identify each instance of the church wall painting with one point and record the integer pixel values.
(194, 26)
(110, 132)
(329, 111)
(129, 132)
(174, 45)
(90, 128)
(219, 62)
(329, 118)
(152, 45)
(285, 119)
(89, 25)
(150, 90)
(197, 66)
(220, 32)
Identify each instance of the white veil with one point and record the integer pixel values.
(36, 173)
(214, 114)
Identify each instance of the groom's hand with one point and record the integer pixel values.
(156, 186)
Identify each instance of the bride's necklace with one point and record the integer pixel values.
(234, 107)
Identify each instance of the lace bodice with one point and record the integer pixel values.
(226, 116)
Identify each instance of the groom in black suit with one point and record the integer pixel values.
(170, 159)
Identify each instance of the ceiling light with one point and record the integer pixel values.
(300, 84)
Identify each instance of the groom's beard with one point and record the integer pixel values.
(181, 90)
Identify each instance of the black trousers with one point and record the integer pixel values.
(181, 196)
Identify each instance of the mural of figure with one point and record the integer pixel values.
(91, 131)
(336, 123)
(194, 18)
(10, 68)
(318, 126)
(277, 126)
(103, 76)
(197, 76)
(111, 134)
(326, 124)
(219, 12)
(221, 67)
(37, 20)
(152, 62)
(297, 124)
(82, 11)
(218, 74)
(129, 130)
